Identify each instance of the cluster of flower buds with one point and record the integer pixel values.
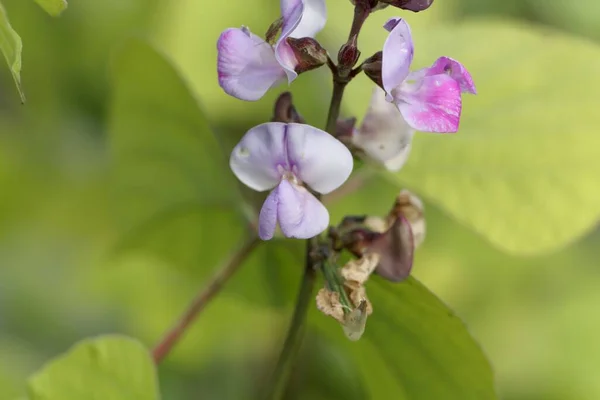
(297, 162)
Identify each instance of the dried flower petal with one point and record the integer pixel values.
(360, 269)
(377, 224)
(358, 294)
(329, 304)
(411, 207)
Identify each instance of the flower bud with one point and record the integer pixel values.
(348, 55)
(411, 5)
(284, 110)
(369, 4)
(372, 68)
(308, 52)
(344, 130)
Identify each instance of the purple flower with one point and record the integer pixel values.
(248, 66)
(384, 136)
(285, 157)
(430, 98)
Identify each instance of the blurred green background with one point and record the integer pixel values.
(60, 280)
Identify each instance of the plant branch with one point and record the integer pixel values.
(360, 16)
(164, 347)
(291, 345)
(335, 105)
(294, 335)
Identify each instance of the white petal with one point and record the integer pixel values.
(301, 18)
(313, 19)
(320, 160)
(246, 64)
(258, 158)
(267, 220)
(384, 135)
(398, 51)
(396, 163)
(299, 213)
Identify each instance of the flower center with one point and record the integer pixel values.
(288, 175)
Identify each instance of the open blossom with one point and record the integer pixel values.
(384, 136)
(284, 157)
(430, 98)
(248, 66)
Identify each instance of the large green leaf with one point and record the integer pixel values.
(53, 7)
(175, 194)
(414, 347)
(109, 367)
(11, 46)
(522, 169)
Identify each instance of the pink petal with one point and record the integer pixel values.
(398, 53)
(432, 104)
(267, 220)
(299, 213)
(384, 135)
(457, 71)
(320, 160)
(246, 64)
(258, 158)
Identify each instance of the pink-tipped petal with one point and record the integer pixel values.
(397, 55)
(384, 135)
(246, 64)
(286, 58)
(431, 105)
(321, 161)
(299, 213)
(457, 71)
(259, 157)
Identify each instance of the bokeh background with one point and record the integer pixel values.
(536, 316)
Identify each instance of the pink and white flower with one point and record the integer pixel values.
(248, 66)
(285, 157)
(430, 98)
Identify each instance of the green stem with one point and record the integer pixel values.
(294, 335)
(293, 339)
(335, 105)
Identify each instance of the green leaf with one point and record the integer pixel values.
(175, 195)
(415, 348)
(11, 46)
(107, 367)
(53, 7)
(521, 171)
